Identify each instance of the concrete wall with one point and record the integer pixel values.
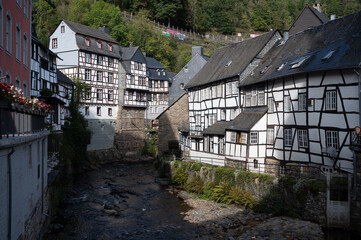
(103, 132)
(23, 193)
(130, 131)
(169, 122)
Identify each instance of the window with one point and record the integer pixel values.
(110, 95)
(223, 114)
(234, 88)
(62, 29)
(1, 25)
(25, 90)
(271, 105)
(287, 104)
(34, 53)
(302, 138)
(26, 7)
(241, 137)
(181, 86)
(254, 96)
(8, 33)
(87, 42)
(8, 78)
(299, 62)
(255, 163)
(86, 112)
(331, 100)
(110, 62)
(332, 139)
(99, 111)
(99, 76)
(87, 57)
(287, 135)
(254, 137)
(17, 83)
(19, 3)
(214, 92)
(219, 91)
(261, 95)
(233, 137)
(110, 112)
(18, 43)
(87, 75)
(302, 102)
(54, 43)
(100, 60)
(87, 94)
(99, 44)
(110, 77)
(99, 94)
(270, 135)
(198, 120)
(110, 48)
(25, 50)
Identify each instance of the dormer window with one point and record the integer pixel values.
(329, 55)
(229, 63)
(280, 67)
(110, 47)
(185, 69)
(299, 62)
(99, 44)
(87, 41)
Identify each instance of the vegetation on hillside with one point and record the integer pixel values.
(222, 16)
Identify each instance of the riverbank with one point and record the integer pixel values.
(238, 223)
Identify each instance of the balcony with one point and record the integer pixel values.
(17, 120)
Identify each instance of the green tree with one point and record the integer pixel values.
(105, 14)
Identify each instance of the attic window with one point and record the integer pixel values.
(265, 69)
(329, 55)
(181, 86)
(99, 44)
(299, 62)
(62, 29)
(229, 63)
(110, 47)
(87, 41)
(280, 67)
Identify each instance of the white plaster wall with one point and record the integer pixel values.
(209, 158)
(104, 112)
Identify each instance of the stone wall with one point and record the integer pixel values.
(103, 132)
(130, 132)
(169, 122)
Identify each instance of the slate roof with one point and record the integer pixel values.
(243, 122)
(89, 31)
(128, 54)
(318, 14)
(63, 78)
(80, 41)
(153, 63)
(237, 55)
(342, 35)
(153, 67)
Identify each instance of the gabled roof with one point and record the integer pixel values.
(132, 54)
(153, 74)
(230, 61)
(153, 63)
(80, 41)
(63, 78)
(89, 31)
(308, 17)
(243, 122)
(342, 35)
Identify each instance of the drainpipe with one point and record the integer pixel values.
(239, 96)
(10, 192)
(354, 153)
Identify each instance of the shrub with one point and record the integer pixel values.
(241, 197)
(221, 193)
(180, 176)
(207, 191)
(195, 185)
(223, 174)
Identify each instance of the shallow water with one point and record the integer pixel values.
(123, 201)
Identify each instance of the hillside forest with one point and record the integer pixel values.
(202, 16)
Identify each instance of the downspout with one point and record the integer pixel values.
(354, 153)
(10, 191)
(239, 95)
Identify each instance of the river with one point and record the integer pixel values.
(123, 201)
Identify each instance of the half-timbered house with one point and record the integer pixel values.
(92, 56)
(158, 88)
(65, 91)
(214, 97)
(311, 84)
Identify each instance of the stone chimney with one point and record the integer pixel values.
(197, 49)
(104, 29)
(317, 6)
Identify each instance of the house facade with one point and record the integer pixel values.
(214, 99)
(15, 38)
(158, 88)
(92, 56)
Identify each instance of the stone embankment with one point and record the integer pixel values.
(238, 223)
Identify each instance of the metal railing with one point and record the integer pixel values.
(17, 121)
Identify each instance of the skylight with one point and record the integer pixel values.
(329, 55)
(229, 63)
(265, 69)
(299, 62)
(280, 67)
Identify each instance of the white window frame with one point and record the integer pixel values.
(99, 76)
(110, 95)
(287, 135)
(261, 95)
(302, 102)
(332, 139)
(54, 43)
(270, 135)
(253, 138)
(271, 105)
(233, 137)
(87, 57)
(110, 78)
(302, 138)
(99, 94)
(87, 75)
(99, 111)
(331, 100)
(110, 112)
(100, 60)
(287, 104)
